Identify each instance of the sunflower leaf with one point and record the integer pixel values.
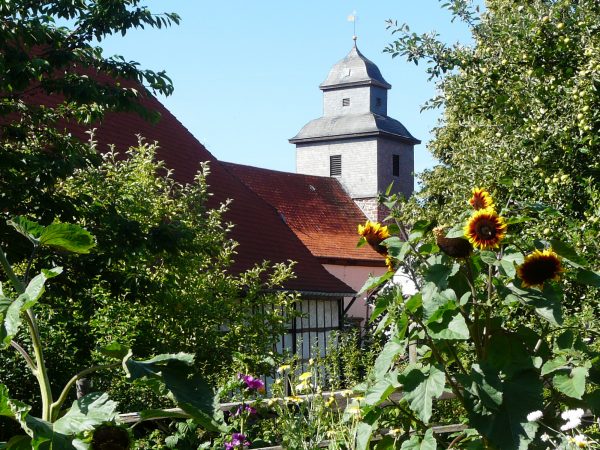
(568, 253)
(588, 277)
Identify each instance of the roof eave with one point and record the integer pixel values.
(333, 87)
(393, 136)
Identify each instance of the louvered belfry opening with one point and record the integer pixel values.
(335, 165)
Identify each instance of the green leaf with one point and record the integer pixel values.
(35, 288)
(28, 228)
(380, 391)
(414, 303)
(115, 350)
(172, 372)
(421, 385)
(547, 304)
(448, 323)
(68, 237)
(390, 350)
(588, 277)
(507, 427)
(416, 443)
(373, 282)
(18, 443)
(508, 262)
(568, 253)
(571, 384)
(488, 257)
(10, 318)
(86, 413)
(560, 362)
(457, 231)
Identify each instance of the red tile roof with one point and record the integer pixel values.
(317, 209)
(259, 230)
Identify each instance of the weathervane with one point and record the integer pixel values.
(353, 18)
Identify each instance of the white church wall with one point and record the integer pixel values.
(358, 101)
(359, 163)
(403, 183)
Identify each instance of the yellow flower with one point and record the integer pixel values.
(580, 441)
(302, 387)
(485, 229)
(394, 432)
(539, 267)
(330, 401)
(294, 399)
(283, 368)
(305, 376)
(346, 393)
(389, 262)
(375, 233)
(311, 361)
(481, 199)
(353, 409)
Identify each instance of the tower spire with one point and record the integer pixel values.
(353, 18)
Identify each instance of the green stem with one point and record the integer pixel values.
(56, 406)
(25, 355)
(41, 371)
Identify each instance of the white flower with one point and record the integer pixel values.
(572, 414)
(544, 437)
(570, 425)
(572, 418)
(534, 416)
(579, 440)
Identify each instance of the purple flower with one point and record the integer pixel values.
(252, 383)
(249, 409)
(237, 440)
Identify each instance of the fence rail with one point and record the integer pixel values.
(340, 396)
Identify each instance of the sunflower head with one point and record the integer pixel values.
(485, 229)
(375, 233)
(539, 267)
(481, 199)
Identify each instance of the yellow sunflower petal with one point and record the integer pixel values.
(485, 229)
(539, 267)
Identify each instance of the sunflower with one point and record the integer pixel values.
(539, 267)
(481, 199)
(485, 229)
(455, 247)
(375, 233)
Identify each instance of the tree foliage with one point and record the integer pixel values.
(520, 116)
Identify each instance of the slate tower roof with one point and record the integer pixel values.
(354, 70)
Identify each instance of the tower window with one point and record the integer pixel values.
(378, 101)
(345, 102)
(335, 165)
(396, 165)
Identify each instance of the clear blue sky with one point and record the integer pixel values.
(246, 74)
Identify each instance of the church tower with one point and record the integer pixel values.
(355, 140)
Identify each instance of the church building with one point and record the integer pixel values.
(344, 159)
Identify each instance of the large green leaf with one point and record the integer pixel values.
(68, 237)
(507, 427)
(41, 433)
(571, 383)
(173, 373)
(86, 413)
(547, 304)
(389, 352)
(568, 253)
(35, 288)
(448, 323)
(28, 228)
(364, 430)
(415, 442)
(10, 318)
(588, 277)
(382, 389)
(421, 385)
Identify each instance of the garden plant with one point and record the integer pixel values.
(91, 419)
(489, 325)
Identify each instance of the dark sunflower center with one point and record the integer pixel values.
(486, 229)
(540, 270)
